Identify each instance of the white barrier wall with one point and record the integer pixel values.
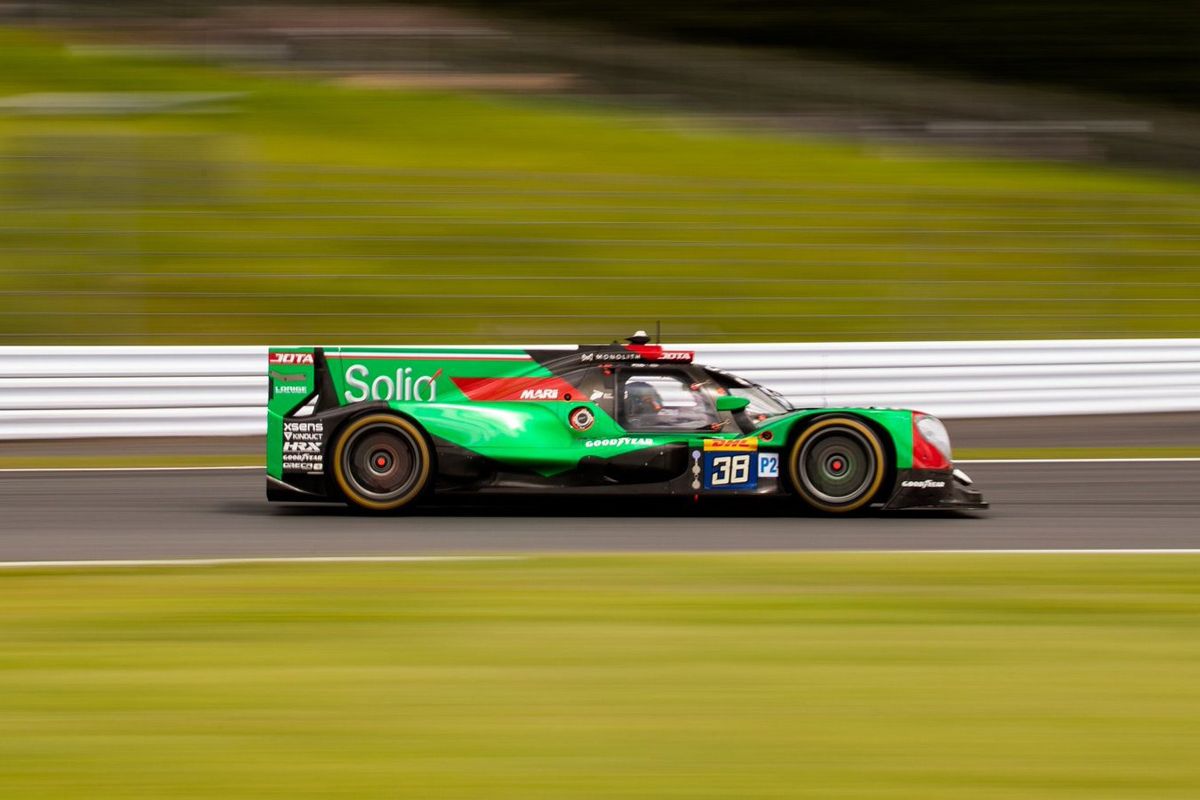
(978, 379)
(71, 392)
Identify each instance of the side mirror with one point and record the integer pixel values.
(728, 402)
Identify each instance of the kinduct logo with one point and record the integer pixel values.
(403, 387)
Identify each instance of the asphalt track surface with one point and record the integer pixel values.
(223, 514)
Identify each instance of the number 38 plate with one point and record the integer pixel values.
(731, 464)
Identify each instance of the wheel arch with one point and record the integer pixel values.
(891, 457)
(360, 411)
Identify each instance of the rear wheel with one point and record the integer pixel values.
(837, 465)
(381, 462)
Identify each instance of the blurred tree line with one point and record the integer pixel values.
(1123, 47)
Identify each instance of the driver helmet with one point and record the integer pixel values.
(641, 398)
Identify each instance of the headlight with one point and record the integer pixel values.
(933, 431)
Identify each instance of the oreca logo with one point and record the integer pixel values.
(403, 387)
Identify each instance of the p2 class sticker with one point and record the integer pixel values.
(730, 470)
(768, 465)
(581, 418)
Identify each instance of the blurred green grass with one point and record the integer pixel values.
(745, 676)
(314, 212)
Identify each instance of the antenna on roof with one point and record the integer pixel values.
(658, 331)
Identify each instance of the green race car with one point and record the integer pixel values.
(384, 427)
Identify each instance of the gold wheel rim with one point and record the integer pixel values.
(867, 434)
(346, 486)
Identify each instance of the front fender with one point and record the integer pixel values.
(895, 424)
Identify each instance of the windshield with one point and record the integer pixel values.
(764, 402)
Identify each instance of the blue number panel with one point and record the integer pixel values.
(730, 470)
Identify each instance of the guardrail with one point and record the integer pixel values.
(75, 392)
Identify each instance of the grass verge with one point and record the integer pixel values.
(744, 676)
(302, 211)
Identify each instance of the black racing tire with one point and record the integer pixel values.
(837, 465)
(381, 462)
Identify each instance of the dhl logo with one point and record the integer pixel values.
(732, 445)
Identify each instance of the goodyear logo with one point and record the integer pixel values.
(731, 445)
(623, 441)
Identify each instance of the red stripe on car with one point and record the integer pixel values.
(516, 389)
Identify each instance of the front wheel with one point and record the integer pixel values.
(381, 462)
(837, 465)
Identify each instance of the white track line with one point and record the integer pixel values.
(1138, 551)
(899, 551)
(216, 562)
(212, 562)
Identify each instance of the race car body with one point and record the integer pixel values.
(383, 427)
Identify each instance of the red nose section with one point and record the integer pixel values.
(925, 454)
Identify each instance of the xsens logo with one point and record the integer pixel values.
(302, 446)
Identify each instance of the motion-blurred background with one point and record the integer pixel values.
(196, 173)
(569, 171)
